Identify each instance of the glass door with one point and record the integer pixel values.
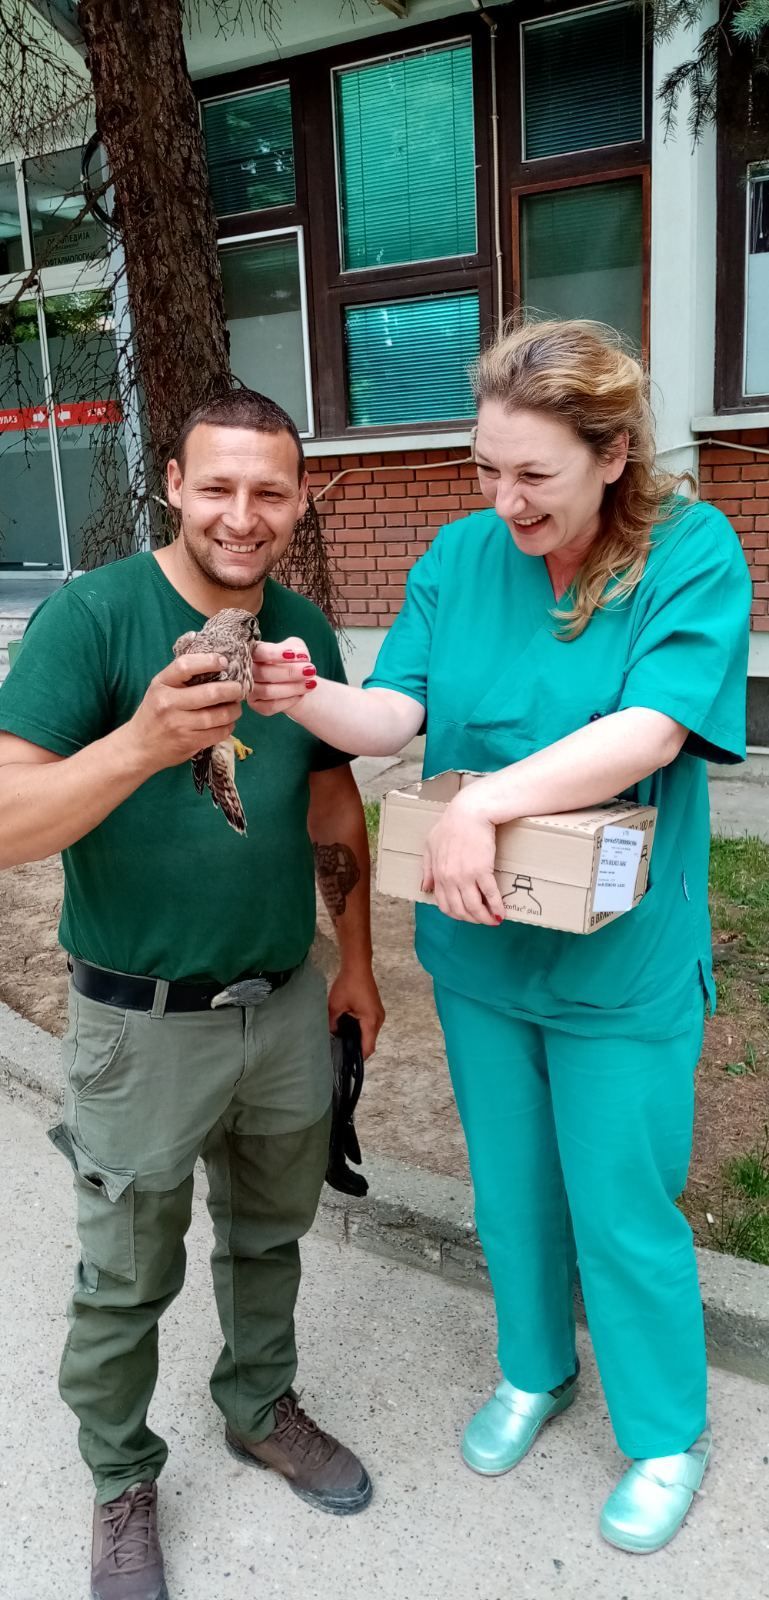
(30, 526)
(87, 415)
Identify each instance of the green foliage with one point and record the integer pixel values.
(742, 1228)
(745, 1234)
(371, 810)
(745, 21)
(751, 20)
(739, 891)
(750, 1173)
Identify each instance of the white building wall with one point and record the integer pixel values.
(683, 262)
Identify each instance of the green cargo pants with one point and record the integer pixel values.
(249, 1090)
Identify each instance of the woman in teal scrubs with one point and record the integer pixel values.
(585, 637)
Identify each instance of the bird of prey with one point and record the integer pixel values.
(229, 633)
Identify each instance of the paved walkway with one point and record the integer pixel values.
(393, 1360)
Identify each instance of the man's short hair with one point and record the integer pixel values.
(240, 408)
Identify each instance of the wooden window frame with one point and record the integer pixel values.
(742, 142)
(731, 287)
(644, 173)
(329, 289)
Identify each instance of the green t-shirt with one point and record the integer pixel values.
(163, 886)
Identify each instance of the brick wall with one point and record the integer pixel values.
(382, 515)
(738, 482)
(384, 512)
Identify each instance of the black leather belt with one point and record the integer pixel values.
(139, 994)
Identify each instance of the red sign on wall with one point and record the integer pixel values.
(87, 413)
(16, 419)
(73, 414)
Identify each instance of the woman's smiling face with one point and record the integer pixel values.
(543, 482)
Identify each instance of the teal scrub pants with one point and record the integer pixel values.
(578, 1150)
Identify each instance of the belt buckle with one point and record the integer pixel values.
(249, 992)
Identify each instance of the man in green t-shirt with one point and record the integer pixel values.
(166, 907)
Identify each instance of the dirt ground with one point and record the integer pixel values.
(407, 1110)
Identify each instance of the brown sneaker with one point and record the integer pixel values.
(318, 1468)
(127, 1562)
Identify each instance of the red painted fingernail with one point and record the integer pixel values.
(288, 655)
(309, 672)
(301, 657)
(312, 685)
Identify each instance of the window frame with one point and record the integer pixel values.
(733, 222)
(746, 101)
(544, 21)
(754, 174)
(311, 78)
(583, 181)
(212, 99)
(69, 277)
(426, 261)
(298, 232)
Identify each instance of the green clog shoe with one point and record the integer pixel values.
(502, 1432)
(650, 1502)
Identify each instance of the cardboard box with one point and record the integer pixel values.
(575, 871)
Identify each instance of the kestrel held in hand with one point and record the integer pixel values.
(229, 633)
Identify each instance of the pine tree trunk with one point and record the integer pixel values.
(147, 116)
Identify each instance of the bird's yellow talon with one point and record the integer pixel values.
(241, 750)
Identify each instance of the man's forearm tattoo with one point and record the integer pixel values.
(338, 872)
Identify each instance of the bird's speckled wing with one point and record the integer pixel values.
(221, 782)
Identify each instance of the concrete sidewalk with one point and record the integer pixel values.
(421, 1219)
(392, 1361)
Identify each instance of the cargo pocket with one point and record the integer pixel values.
(94, 1044)
(105, 1209)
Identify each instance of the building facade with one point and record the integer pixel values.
(388, 187)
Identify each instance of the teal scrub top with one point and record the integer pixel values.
(476, 644)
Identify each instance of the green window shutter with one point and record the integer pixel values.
(407, 360)
(406, 144)
(250, 151)
(582, 253)
(583, 81)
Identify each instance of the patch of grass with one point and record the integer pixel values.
(739, 890)
(743, 1225)
(740, 1069)
(744, 1234)
(371, 810)
(725, 1001)
(750, 1173)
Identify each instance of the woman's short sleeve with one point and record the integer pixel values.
(689, 654)
(404, 657)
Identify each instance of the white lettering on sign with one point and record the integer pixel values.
(617, 869)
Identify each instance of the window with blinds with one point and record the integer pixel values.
(250, 150)
(407, 360)
(583, 81)
(406, 158)
(582, 254)
(262, 283)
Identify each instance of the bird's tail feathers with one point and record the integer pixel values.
(223, 790)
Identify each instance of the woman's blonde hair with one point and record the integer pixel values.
(579, 373)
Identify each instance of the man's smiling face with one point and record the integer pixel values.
(240, 496)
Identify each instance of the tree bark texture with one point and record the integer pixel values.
(147, 116)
